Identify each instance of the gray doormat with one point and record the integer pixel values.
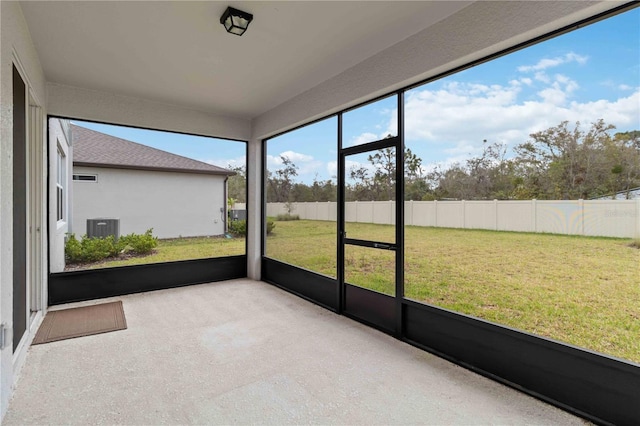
(78, 322)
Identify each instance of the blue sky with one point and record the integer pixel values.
(585, 75)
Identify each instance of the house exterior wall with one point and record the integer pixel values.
(58, 139)
(173, 204)
(15, 47)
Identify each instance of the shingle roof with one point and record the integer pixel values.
(91, 148)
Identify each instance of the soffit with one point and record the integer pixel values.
(178, 53)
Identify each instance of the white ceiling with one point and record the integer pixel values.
(179, 53)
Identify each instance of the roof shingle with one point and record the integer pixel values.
(91, 148)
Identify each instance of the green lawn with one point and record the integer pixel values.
(583, 291)
(578, 290)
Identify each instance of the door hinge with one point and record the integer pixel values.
(4, 335)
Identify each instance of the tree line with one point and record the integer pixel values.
(563, 162)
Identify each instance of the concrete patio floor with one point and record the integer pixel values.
(242, 351)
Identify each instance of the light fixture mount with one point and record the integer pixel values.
(235, 21)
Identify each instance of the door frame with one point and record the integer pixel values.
(20, 327)
(35, 217)
(36, 202)
(372, 307)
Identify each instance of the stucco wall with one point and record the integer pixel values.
(173, 204)
(15, 45)
(58, 228)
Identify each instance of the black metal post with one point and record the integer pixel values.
(340, 217)
(400, 216)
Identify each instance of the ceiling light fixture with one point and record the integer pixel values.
(235, 21)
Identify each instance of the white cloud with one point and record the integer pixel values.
(274, 161)
(452, 121)
(462, 148)
(307, 165)
(561, 88)
(296, 157)
(546, 63)
(332, 167)
(542, 76)
(615, 86)
(553, 95)
(363, 138)
(227, 163)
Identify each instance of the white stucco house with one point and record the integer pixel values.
(60, 166)
(143, 187)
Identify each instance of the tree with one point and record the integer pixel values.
(565, 163)
(237, 184)
(487, 176)
(323, 190)
(384, 177)
(561, 162)
(381, 185)
(360, 185)
(623, 152)
(280, 183)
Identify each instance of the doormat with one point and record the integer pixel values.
(78, 322)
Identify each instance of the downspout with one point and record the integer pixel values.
(225, 216)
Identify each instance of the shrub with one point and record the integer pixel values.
(96, 249)
(139, 244)
(270, 225)
(238, 227)
(89, 249)
(285, 217)
(73, 249)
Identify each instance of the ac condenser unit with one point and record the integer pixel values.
(101, 228)
(238, 215)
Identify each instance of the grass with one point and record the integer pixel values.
(578, 290)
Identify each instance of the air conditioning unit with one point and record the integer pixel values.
(238, 215)
(101, 228)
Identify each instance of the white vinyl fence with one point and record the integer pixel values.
(606, 218)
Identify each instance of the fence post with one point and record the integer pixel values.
(637, 218)
(392, 210)
(435, 212)
(464, 215)
(410, 210)
(495, 214)
(356, 208)
(581, 205)
(534, 214)
(373, 211)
